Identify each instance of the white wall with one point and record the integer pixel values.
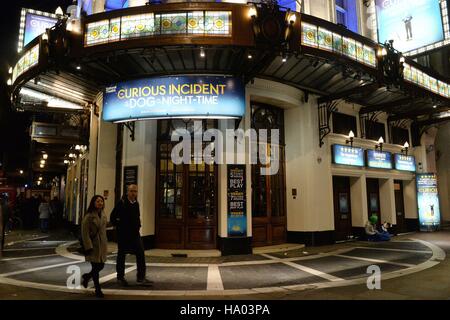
(106, 163)
(93, 146)
(308, 169)
(307, 165)
(358, 198)
(142, 153)
(387, 201)
(410, 199)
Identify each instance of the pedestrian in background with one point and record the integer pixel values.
(95, 242)
(126, 218)
(44, 215)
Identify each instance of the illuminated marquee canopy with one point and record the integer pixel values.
(175, 97)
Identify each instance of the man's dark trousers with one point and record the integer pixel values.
(140, 260)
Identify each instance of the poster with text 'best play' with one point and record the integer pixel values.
(237, 209)
(428, 201)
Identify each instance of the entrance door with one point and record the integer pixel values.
(399, 206)
(186, 208)
(373, 198)
(269, 191)
(342, 208)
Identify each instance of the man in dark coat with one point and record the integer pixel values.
(126, 218)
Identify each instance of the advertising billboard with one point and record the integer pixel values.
(350, 156)
(428, 201)
(33, 24)
(379, 159)
(237, 208)
(404, 163)
(175, 97)
(412, 24)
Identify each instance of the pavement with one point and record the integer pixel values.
(412, 266)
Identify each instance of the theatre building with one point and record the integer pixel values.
(353, 118)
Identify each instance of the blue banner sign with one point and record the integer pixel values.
(405, 163)
(175, 97)
(410, 23)
(428, 201)
(346, 155)
(379, 159)
(35, 25)
(237, 202)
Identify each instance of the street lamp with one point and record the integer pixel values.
(45, 156)
(405, 148)
(351, 135)
(379, 145)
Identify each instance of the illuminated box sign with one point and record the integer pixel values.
(175, 97)
(428, 201)
(379, 160)
(237, 202)
(404, 163)
(33, 24)
(412, 24)
(350, 156)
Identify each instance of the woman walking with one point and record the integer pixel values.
(93, 230)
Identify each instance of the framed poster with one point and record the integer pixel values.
(130, 176)
(236, 201)
(428, 201)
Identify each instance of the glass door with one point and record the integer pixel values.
(186, 211)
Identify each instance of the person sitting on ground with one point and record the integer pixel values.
(371, 231)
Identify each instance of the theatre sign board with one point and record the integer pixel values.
(175, 97)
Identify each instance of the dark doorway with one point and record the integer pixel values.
(373, 198)
(186, 194)
(399, 207)
(342, 208)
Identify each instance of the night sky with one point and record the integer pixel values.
(14, 136)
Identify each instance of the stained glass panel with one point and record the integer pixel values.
(407, 72)
(337, 43)
(325, 39)
(137, 26)
(97, 32)
(420, 80)
(196, 22)
(433, 85)
(426, 81)
(369, 56)
(441, 88)
(173, 23)
(218, 22)
(114, 30)
(349, 47)
(309, 35)
(413, 75)
(359, 51)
